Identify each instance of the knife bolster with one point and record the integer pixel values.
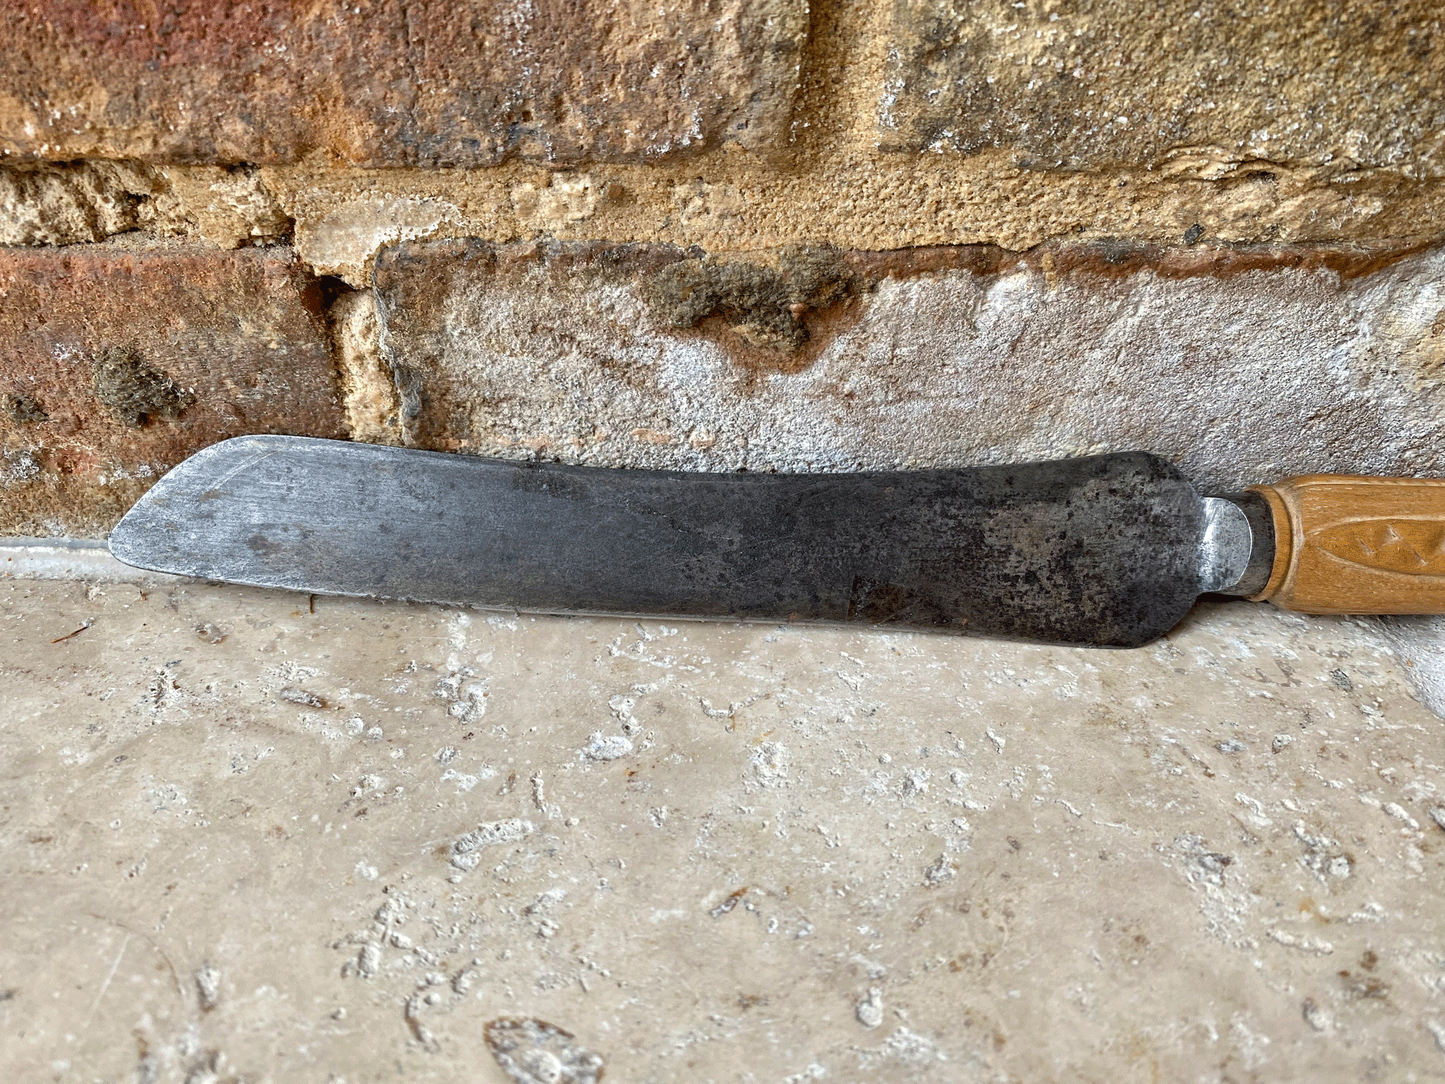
(1348, 544)
(1256, 563)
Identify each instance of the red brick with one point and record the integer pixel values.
(396, 82)
(233, 343)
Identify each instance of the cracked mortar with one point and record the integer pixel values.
(79, 202)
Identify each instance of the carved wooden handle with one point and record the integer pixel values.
(1351, 545)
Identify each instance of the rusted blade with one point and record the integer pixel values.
(1104, 550)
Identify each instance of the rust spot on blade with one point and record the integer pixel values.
(263, 546)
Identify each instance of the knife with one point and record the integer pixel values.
(1109, 550)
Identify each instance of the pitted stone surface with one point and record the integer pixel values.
(242, 839)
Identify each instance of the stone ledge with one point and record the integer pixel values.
(70, 559)
(428, 825)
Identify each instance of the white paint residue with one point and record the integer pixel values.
(368, 961)
(929, 374)
(1316, 1016)
(466, 781)
(344, 241)
(1256, 816)
(208, 986)
(1437, 1030)
(769, 764)
(1393, 809)
(869, 1010)
(910, 1047)
(465, 694)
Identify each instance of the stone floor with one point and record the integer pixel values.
(246, 837)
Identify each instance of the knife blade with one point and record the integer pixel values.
(1109, 550)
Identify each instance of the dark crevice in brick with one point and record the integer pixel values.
(324, 297)
(22, 409)
(319, 295)
(277, 227)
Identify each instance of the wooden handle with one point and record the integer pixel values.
(1352, 545)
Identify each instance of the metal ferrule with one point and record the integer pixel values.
(1237, 553)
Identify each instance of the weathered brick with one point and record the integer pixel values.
(1207, 84)
(396, 82)
(116, 364)
(1241, 364)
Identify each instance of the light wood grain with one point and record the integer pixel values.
(1350, 544)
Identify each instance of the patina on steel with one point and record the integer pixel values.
(1109, 550)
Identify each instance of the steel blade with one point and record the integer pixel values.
(1104, 550)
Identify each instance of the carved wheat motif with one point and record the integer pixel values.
(1415, 547)
(1350, 544)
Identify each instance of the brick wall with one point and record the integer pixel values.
(719, 234)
